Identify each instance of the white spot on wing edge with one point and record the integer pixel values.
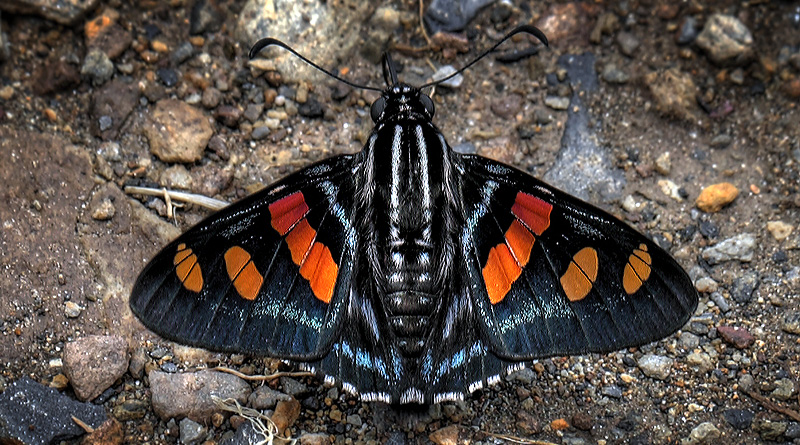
(376, 397)
(412, 395)
(474, 386)
(350, 389)
(515, 367)
(448, 397)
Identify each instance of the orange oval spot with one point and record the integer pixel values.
(194, 281)
(324, 279)
(248, 282)
(309, 265)
(287, 211)
(581, 274)
(533, 212)
(299, 240)
(494, 277)
(630, 281)
(321, 271)
(586, 259)
(187, 269)
(638, 269)
(520, 240)
(235, 260)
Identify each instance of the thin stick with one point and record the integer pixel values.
(772, 406)
(192, 198)
(515, 439)
(261, 378)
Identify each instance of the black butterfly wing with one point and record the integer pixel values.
(554, 275)
(270, 274)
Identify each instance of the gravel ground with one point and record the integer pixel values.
(687, 128)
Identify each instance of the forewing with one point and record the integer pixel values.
(269, 274)
(559, 276)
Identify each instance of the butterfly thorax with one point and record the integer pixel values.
(410, 234)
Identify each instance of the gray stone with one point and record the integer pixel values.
(726, 40)
(97, 67)
(700, 362)
(740, 247)
(784, 389)
(66, 12)
(613, 391)
(32, 413)
(791, 322)
(191, 394)
(628, 43)
(655, 366)
(741, 419)
(191, 431)
(265, 397)
(444, 71)
(705, 433)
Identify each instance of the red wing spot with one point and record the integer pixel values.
(533, 212)
(287, 211)
(581, 274)
(187, 269)
(520, 240)
(321, 271)
(299, 240)
(244, 274)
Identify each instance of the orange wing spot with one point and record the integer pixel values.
(287, 211)
(244, 274)
(321, 271)
(638, 269)
(497, 284)
(187, 269)
(533, 212)
(235, 260)
(324, 279)
(520, 240)
(248, 282)
(299, 240)
(581, 274)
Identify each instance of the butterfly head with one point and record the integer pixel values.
(402, 101)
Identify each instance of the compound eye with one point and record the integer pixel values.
(427, 103)
(377, 109)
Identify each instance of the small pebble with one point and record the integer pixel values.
(557, 103)
(738, 418)
(784, 389)
(72, 309)
(612, 74)
(739, 337)
(779, 230)
(721, 141)
(191, 431)
(655, 366)
(705, 433)
(740, 247)
(714, 197)
(446, 70)
(663, 164)
(628, 43)
(791, 322)
(104, 211)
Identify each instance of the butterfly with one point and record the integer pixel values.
(409, 273)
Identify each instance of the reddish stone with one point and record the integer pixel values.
(740, 338)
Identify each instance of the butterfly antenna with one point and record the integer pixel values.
(527, 29)
(269, 41)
